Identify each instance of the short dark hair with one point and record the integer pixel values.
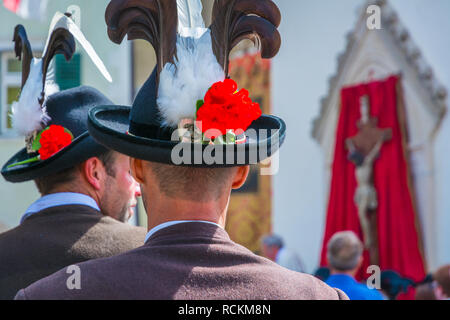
(47, 184)
(108, 159)
(199, 184)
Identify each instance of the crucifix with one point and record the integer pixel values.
(364, 148)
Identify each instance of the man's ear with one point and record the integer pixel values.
(137, 170)
(240, 177)
(94, 172)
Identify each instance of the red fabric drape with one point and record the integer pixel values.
(398, 237)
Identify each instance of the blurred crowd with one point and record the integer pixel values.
(345, 257)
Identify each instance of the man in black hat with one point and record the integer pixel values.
(191, 136)
(87, 190)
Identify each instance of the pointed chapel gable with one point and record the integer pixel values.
(374, 55)
(377, 54)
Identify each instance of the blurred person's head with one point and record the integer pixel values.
(106, 178)
(271, 245)
(344, 253)
(442, 283)
(425, 291)
(70, 160)
(392, 284)
(174, 193)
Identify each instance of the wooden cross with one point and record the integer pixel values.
(369, 134)
(364, 148)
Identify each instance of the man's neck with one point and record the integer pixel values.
(167, 209)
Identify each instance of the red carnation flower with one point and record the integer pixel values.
(53, 140)
(221, 91)
(227, 109)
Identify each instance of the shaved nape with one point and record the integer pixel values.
(197, 184)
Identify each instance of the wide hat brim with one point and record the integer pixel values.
(109, 126)
(82, 148)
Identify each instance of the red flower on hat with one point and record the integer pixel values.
(52, 140)
(225, 109)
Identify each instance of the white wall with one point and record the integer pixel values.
(313, 34)
(428, 24)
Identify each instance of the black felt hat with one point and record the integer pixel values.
(139, 133)
(143, 131)
(55, 125)
(69, 109)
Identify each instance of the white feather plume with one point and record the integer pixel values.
(62, 21)
(194, 71)
(190, 19)
(51, 86)
(27, 114)
(190, 14)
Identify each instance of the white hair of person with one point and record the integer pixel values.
(344, 251)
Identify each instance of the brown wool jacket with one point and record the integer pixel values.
(190, 261)
(57, 237)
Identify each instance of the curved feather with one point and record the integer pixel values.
(260, 31)
(27, 113)
(22, 49)
(61, 41)
(264, 8)
(236, 20)
(61, 21)
(152, 20)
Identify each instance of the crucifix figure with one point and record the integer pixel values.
(364, 148)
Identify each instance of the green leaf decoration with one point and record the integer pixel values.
(205, 140)
(35, 159)
(200, 104)
(68, 131)
(230, 138)
(220, 140)
(36, 146)
(37, 141)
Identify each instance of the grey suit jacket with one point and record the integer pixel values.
(190, 261)
(57, 237)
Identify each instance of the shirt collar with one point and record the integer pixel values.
(342, 277)
(59, 199)
(172, 223)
